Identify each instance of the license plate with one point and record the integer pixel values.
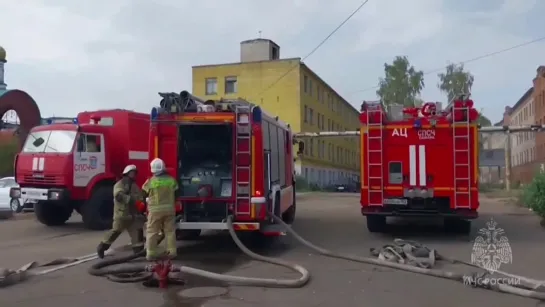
(340, 188)
(395, 201)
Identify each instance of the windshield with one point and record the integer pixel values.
(58, 141)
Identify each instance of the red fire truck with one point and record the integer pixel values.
(230, 158)
(73, 166)
(420, 162)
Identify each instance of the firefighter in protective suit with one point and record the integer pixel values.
(160, 191)
(125, 194)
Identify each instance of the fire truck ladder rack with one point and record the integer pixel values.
(375, 136)
(243, 156)
(461, 170)
(484, 130)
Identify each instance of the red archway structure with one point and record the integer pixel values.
(26, 108)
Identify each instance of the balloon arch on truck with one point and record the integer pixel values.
(26, 108)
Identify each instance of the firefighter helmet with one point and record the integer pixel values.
(129, 168)
(157, 166)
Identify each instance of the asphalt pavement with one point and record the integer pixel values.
(332, 221)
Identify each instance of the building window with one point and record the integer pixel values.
(305, 83)
(319, 93)
(310, 116)
(319, 119)
(230, 85)
(306, 114)
(211, 86)
(310, 87)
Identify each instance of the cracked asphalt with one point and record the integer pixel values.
(332, 221)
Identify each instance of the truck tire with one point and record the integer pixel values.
(51, 214)
(376, 223)
(457, 225)
(97, 211)
(289, 216)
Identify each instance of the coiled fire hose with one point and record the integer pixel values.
(420, 268)
(137, 272)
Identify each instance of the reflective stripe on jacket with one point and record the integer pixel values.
(161, 190)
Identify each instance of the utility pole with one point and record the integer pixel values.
(508, 162)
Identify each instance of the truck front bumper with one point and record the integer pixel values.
(39, 194)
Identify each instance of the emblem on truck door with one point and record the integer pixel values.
(92, 162)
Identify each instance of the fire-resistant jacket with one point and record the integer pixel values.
(126, 193)
(161, 191)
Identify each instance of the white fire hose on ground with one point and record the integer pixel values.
(402, 255)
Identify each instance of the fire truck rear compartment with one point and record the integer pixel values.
(205, 164)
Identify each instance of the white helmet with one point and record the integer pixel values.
(129, 168)
(157, 166)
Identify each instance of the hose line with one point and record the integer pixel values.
(520, 291)
(138, 272)
(134, 273)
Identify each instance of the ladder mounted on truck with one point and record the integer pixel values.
(243, 157)
(461, 144)
(375, 175)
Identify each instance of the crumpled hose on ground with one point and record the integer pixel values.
(137, 272)
(10, 277)
(387, 258)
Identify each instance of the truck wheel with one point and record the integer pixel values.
(289, 216)
(376, 223)
(457, 225)
(97, 212)
(187, 234)
(51, 214)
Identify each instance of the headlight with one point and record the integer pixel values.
(226, 188)
(53, 195)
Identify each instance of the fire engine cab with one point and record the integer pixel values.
(420, 162)
(230, 159)
(64, 167)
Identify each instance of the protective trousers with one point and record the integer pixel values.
(133, 228)
(158, 222)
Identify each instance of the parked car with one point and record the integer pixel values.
(6, 202)
(345, 187)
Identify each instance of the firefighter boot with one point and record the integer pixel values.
(101, 249)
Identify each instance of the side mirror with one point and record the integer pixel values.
(301, 148)
(38, 142)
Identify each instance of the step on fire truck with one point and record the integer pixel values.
(73, 166)
(420, 162)
(230, 158)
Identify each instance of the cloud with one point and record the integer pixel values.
(73, 56)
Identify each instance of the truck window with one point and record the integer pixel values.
(89, 143)
(395, 171)
(50, 141)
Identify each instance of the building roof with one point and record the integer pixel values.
(253, 62)
(334, 91)
(521, 100)
(286, 60)
(259, 40)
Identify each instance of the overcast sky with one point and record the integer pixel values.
(80, 55)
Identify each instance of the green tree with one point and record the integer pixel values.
(8, 150)
(401, 84)
(456, 81)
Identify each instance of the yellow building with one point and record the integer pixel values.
(290, 89)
